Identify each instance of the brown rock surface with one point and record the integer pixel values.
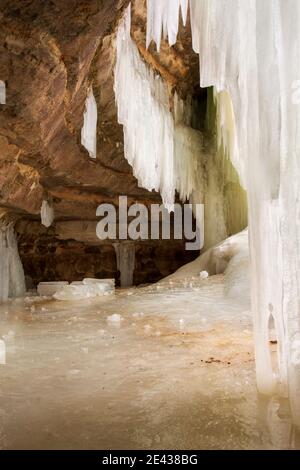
(50, 53)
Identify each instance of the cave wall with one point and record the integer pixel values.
(47, 67)
(46, 257)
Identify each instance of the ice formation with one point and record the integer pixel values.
(250, 50)
(125, 254)
(89, 128)
(159, 144)
(203, 275)
(2, 352)
(12, 280)
(47, 213)
(2, 92)
(49, 288)
(114, 318)
(87, 288)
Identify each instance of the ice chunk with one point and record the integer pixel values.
(89, 129)
(203, 274)
(49, 288)
(85, 289)
(47, 213)
(115, 318)
(2, 92)
(100, 285)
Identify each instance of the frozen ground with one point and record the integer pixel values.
(165, 366)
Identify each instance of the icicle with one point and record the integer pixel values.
(125, 253)
(12, 280)
(162, 149)
(89, 129)
(164, 16)
(250, 50)
(2, 92)
(47, 214)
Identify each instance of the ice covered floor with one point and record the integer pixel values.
(176, 371)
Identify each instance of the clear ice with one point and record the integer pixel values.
(249, 52)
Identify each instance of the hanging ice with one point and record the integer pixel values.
(125, 253)
(2, 92)
(161, 147)
(12, 281)
(89, 129)
(47, 214)
(163, 16)
(250, 49)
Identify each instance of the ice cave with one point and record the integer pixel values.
(127, 129)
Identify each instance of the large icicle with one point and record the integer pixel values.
(161, 147)
(250, 49)
(163, 17)
(12, 280)
(89, 128)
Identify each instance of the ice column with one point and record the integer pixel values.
(251, 50)
(89, 129)
(47, 213)
(12, 281)
(125, 253)
(2, 92)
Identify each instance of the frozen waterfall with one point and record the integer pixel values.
(89, 129)
(249, 50)
(160, 145)
(12, 281)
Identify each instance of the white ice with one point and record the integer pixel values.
(47, 213)
(89, 128)
(160, 145)
(249, 52)
(2, 92)
(87, 288)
